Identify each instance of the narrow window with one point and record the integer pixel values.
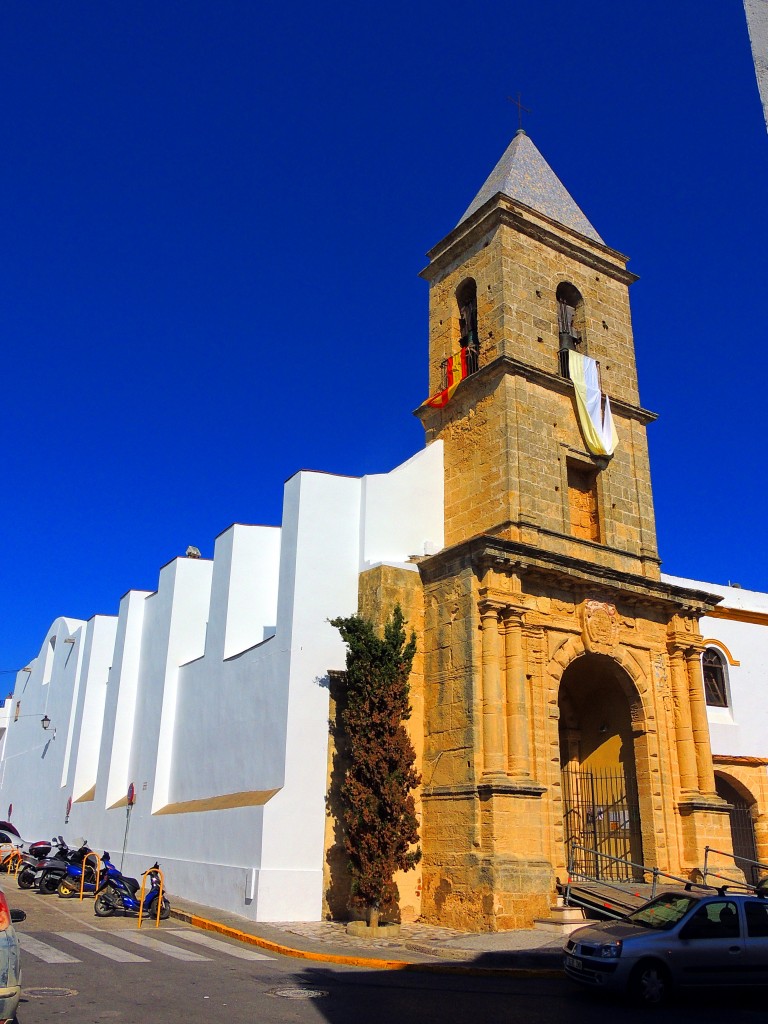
(582, 501)
(715, 682)
(466, 300)
(570, 322)
(757, 918)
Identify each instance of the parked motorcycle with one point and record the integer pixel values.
(30, 870)
(118, 892)
(80, 875)
(51, 870)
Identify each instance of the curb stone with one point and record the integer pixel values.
(375, 963)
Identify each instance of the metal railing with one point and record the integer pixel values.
(654, 875)
(643, 869)
(472, 363)
(757, 868)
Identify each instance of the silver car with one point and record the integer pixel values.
(10, 968)
(712, 937)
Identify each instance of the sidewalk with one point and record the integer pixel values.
(534, 951)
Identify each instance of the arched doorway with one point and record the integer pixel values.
(601, 807)
(742, 827)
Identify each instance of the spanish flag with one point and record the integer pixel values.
(456, 371)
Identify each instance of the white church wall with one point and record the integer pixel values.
(210, 695)
(180, 613)
(243, 609)
(5, 721)
(34, 759)
(229, 748)
(99, 645)
(120, 707)
(321, 524)
(741, 730)
(403, 510)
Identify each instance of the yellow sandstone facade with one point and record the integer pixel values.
(552, 657)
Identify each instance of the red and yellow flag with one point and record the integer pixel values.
(456, 371)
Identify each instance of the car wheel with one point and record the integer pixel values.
(49, 884)
(650, 983)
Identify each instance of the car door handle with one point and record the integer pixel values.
(734, 950)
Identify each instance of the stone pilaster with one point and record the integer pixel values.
(699, 723)
(493, 708)
(519, 756)
(704, 816)
(686, 748)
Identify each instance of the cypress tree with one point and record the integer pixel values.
(380, 826)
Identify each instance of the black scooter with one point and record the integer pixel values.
(27, 874)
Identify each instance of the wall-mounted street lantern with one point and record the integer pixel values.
(46, 722)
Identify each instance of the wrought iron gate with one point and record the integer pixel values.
(602, 815)
(743, 836)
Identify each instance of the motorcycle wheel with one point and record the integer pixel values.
(65, 889)
(165, 909)
(26, 878)
(49, 884)
(103, 905)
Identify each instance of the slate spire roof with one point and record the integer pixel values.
(524, 175)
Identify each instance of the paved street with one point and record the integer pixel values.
(89, 970)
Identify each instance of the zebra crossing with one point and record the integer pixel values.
(110, 948)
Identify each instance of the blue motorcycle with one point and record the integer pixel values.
(72, 881)
(118, 892)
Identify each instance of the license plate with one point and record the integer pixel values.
(574, 963)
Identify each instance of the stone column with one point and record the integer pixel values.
(519, 756)
(699, 723)
(761, 838)
(493, 710)
(686, 748)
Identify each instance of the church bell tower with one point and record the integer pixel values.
(544, 284)
(553, 651)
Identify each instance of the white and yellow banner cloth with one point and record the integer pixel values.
(597, 425)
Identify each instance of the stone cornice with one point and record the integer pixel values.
(740, 615)
(501, 210)
(494, 787)
(703, 802)
(485, 552)
(736, 760)
(503, 365)
(684, 643)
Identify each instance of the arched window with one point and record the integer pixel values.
(715, 678)
(570, 322)
(466, 300)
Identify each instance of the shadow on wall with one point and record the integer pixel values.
(338, 878)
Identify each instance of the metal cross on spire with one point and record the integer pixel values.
(520, 109)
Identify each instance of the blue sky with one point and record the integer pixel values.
(213, 218)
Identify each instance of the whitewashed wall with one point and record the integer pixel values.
(740, 730)
(210, 695)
